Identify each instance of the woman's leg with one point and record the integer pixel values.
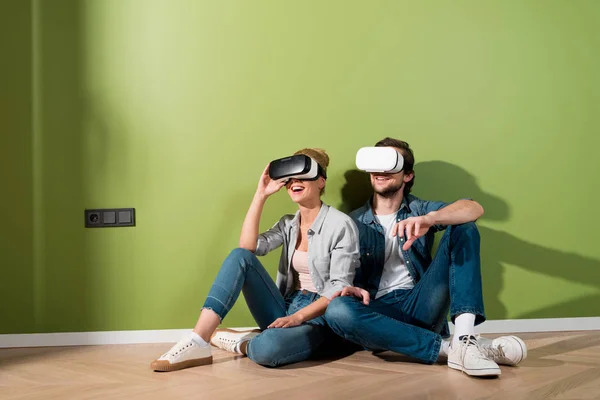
(281, 346)
(241, 272)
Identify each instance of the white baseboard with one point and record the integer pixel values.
(537, 325)
(174, 335)
(94, 338)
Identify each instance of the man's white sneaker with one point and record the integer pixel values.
(186, 353)
(467, 356)
(229, 339)
(506, 350)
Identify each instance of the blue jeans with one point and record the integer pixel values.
(410, 321)
(242, 272)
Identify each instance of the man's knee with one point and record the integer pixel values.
(469, 229)
(341, 313)
(462, 236)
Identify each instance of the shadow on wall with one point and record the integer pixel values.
(439, 180)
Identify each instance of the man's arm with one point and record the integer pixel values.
(459, 212)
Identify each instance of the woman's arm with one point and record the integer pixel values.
(249, 235)
(266, 187)
(344, 261)
(313, 310)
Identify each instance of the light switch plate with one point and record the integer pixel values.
(109, 217)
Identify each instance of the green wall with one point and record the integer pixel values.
(16, 169)
(175, 107)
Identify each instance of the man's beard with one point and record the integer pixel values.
(389, 192)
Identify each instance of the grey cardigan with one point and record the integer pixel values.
(333, 250)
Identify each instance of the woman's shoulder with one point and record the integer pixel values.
(287, 218)
(338, 216)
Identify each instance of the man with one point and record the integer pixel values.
(412, 291)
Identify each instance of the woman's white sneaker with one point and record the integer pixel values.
(230, 340)
(185, 354)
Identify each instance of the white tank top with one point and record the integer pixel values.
(300, 265)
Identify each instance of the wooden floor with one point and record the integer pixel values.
(559, 366)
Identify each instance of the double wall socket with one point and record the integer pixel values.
(109, 217)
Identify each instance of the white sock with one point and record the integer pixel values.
(238, 346)
(445, 348)
(464, 324)
(198, 340)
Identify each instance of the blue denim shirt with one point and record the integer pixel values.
(372, 242)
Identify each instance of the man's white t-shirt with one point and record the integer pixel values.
(395, 274)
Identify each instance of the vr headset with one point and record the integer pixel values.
(299, 166)
(379, 159)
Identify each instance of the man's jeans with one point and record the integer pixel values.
(409, 321)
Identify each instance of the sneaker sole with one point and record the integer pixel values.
(230, 331)
(475, 372)
(160, 366)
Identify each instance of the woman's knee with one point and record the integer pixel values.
(266, 349)
(241, 254)
(239, 258)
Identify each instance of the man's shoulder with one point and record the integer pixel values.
(411, 198)
(357, 214)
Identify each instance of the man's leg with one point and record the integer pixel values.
(452, 280)
(456, 267)
(380, 326)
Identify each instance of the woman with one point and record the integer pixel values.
(319, 257)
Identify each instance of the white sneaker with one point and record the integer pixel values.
(506, 350)
(186, 353)
(467, 356)
(229, 339)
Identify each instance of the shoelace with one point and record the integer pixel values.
(495, 353)
(180, 346)
(227, 344)
(471, 341)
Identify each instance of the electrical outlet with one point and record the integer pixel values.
(109, 217)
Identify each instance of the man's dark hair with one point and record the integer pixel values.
(407, 153)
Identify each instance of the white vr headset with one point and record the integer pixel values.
(299, 166)
(379, 159)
